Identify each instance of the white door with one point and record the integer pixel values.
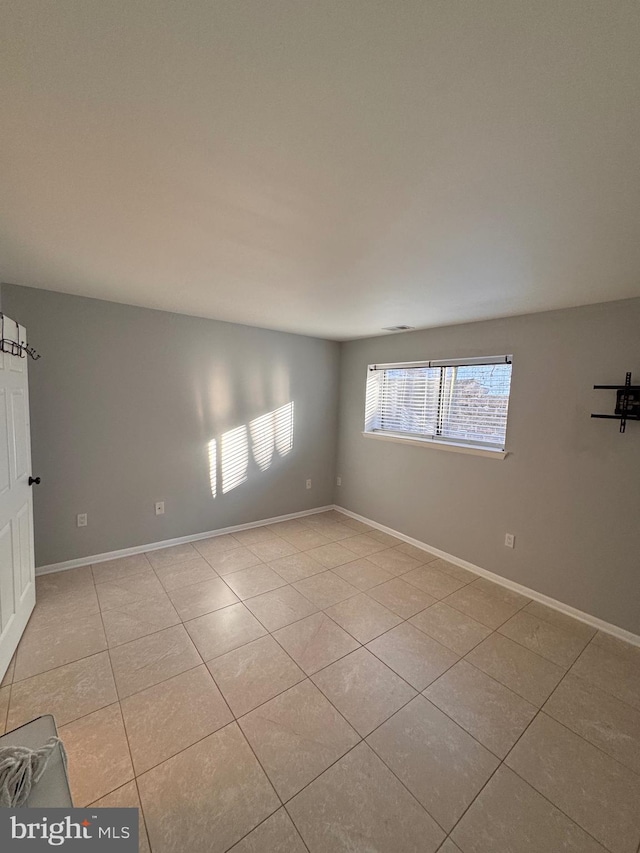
(17, 581)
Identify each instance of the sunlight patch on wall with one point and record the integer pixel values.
(213, 467)
(265, 436)
(283, 418)
(263, 439)
(270, 432)
(234, 448)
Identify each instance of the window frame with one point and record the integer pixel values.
(437, 439)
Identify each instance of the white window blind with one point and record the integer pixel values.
(457, 401)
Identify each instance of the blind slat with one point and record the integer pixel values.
(456, 401)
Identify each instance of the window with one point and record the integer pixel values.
(456, 401)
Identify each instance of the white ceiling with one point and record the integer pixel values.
(328, 168)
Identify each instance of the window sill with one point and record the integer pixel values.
(440, 445)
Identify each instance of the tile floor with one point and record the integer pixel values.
(317, 685)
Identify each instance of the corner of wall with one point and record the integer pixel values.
(337, 425)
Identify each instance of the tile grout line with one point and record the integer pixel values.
(362, 645)
(512, 689)
(490, 627)
(481, 573)
(263, 821)
(597, 687)
(124, 725)
(592, 745)
(210, 660)
(533, 651)
(456, 723)
(503, 763)
(295, 826)
(557, 807)
(222, 577)
(487, 675)
(108, 705)
(361, 739)
(144, 820)
(315, 672)
(567, 672)
(183, 622)
(495, 630)
(577, 734)
(420, 693)
(204, 662)
(234, 721)
(517, 642)
(122, 717)
(500, 760)
(560, 625)
(124, 784)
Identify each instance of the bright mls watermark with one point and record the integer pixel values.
(103, 830)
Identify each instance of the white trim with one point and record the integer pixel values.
(567, 609)
(15, 629)
(437, 444)
(180, 540)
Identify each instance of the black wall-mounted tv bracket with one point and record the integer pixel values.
(627, 402)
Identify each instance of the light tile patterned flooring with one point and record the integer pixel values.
(318, 685)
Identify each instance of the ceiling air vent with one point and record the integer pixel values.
(398, 328)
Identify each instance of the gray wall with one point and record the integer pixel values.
(570, 488)
(124, 402)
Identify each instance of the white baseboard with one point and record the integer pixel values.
(180, 540)
(593, 621)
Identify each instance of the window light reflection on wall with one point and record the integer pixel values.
(263, 437)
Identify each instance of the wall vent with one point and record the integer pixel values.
(398, 328)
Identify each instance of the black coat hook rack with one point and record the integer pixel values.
(627, 402)
(11, 345)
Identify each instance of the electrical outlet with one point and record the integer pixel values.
(338, 481)
(510, 540)
(82, 519)
(159, 507)
(308, 484)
